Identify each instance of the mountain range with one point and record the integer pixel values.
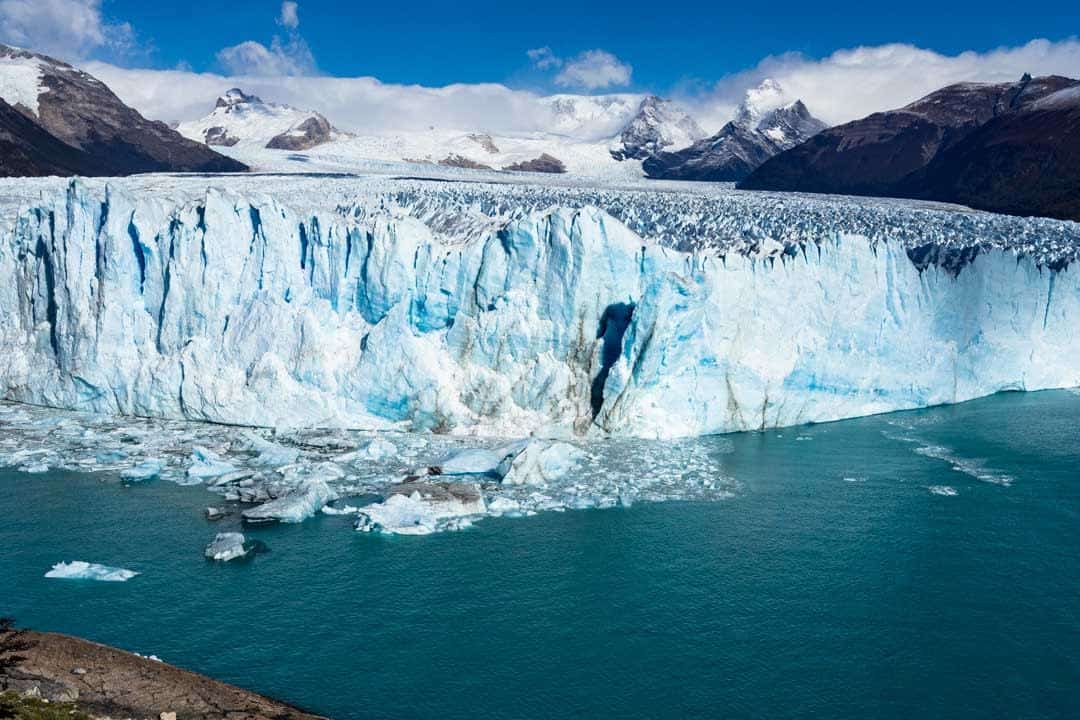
(58, 120)
(1005, 147)
(740, 147)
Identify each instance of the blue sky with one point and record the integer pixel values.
(665, 42)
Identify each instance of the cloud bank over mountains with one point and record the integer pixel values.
(848, 84)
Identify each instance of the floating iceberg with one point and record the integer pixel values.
(377, 449)
(226, 546)
(541, 462)
(270, 454)
(79, 570)
(478, 461)
(207, 464)
(298, 505)
(423, 508)
(147, 470)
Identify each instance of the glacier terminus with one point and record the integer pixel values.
(503, 309)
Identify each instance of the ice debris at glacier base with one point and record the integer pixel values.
(505, 310)
(315, 468)
(81, 570)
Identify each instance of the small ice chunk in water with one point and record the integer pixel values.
(542, 462)
(477, 461)
(944, 490)
(303, 502)
(270, 454)
(343, 510)
(504, 506)
(80, 570)
(35, 468)
(422, 508)
(226, 546)
(207, 464)
(378, 449)
(146, 470)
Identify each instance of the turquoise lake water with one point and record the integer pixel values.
(833, 583)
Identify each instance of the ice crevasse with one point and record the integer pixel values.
(243, 310)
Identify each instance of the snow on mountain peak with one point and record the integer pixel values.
(758, 101)
(236, 96)
(658, 125)
(241, 118)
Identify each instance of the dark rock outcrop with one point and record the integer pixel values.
(106, 136)
(1007, 147)
(303, 136)
(460, 161)
(543, 164)
(218, 135)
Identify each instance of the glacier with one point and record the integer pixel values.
(510, 310)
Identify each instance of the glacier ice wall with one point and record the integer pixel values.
(243, 311)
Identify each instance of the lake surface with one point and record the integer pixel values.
(921, 564)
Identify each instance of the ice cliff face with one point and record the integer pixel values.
(238, 309)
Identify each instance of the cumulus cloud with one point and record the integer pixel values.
(288, 57)
(543, 58)
(855, 82)
(70, 29)
(292, 57)
(288, 16)
(594, 70)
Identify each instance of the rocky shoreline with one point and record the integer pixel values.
(105, 682)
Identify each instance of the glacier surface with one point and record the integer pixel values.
(506, 310)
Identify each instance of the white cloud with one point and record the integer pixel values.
(594, 70)
(288, 16)
(360, 104)
(846, 85)
(283, 58)
(292, 57)
(853, 83)
(543, 58)
(70, 29)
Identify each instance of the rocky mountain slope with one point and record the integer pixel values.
(73, 124)
(238, 117)
(1008, 147)
(755, 135)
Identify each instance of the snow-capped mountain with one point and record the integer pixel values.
(789, 125)
(241, 118)
(658, 125)
(57, 119)
(588, 118)
(761, 129)
(1006, 147)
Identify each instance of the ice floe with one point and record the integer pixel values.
(240, 468)
(81, 570)
(421, 508)
(226, 546)
(945, 490)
